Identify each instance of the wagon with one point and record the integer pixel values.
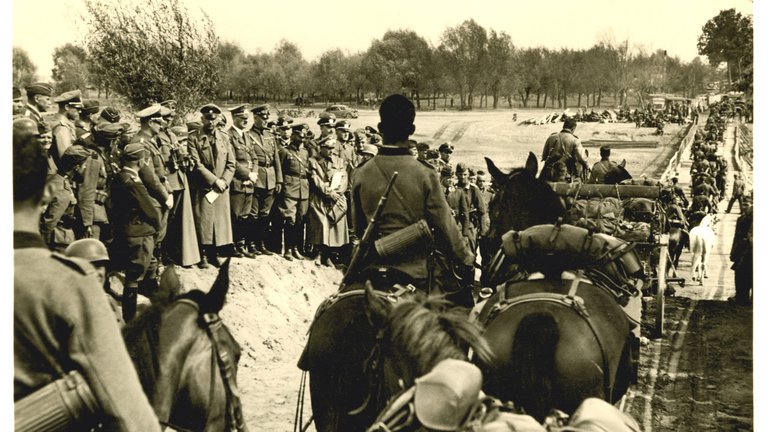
(653, 252)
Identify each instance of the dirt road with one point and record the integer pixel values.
(698, 377)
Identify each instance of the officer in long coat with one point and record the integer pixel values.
(180, 244)
(269, 178)
(294, 202)
(61, 320)
(243, 181)
(215, 167)
(327, 221)
(416, 195)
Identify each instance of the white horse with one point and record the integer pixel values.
(702, 241)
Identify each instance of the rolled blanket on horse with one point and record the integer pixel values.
(598, 214)
(553, 248)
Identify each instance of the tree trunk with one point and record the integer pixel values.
(579, 102)
(599, 96)
(546, 94)
(538, 99)
(565, 100)
(418, 100)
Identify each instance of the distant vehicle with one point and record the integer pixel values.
(342, 111)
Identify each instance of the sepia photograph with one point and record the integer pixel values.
(382, 216)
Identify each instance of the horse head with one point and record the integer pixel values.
(415, 334)
(617, 174)
(175, 346)
(521, 200)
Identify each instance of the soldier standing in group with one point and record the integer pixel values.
(136, 221)
(327, 221)
(367, 152)
(737, 194)
(564, 147)
(61, 321)
(294, 202)
(445, 150)
(742, 254)
(153, 171)
(96, 175)
(326, 121)
(38, 101)
(85, 122)
(284, 129)
(245, 177)
(274, 241)
(486, 194)
(269, 178)
(18, 104)
(214, 168)
(416, 195)
(180, 245)
(422, 149)
(63, 126)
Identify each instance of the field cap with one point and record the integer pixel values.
(445, 148)
(133, 152)
(39, 88)
(90, 106)
(444, 396)
(110, 114)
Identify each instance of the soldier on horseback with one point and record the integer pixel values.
(564, 147)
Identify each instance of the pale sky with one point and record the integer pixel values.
(40, 26)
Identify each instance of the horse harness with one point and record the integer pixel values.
(214, 328)
(571, 301)
(371, 362)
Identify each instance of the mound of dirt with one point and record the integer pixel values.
(270, 305)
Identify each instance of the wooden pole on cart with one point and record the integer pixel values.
(661, 284)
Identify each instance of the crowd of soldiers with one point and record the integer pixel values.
(191, 194)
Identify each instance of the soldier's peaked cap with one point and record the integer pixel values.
(165, 111)
(284, 122)
(422, 146)
(210, 109)
(39, 88)
(299, 127)
(445, 147)
(90, 106)
(170, 103)
(73, 96)
(343, 125)
(151, 111)
(326, 119)
(260, 108)
(239, 111)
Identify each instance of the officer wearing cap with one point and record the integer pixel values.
(136, 221)
(153, 170)
(445, 150)
(326, 121)
(180, 245)
(294, 202)
(61, 321)
(284, 130)
(63, 126)
(416, 195)
(243, 181)
(603, 167)
(38, 101)
(215, 167)
(477, 206)
(86, 115)
(422, 149)
(269, 181)
(564, 147)
(327, 220)
(344, 142)
(95, 177)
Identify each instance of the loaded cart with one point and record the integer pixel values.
(632, 213)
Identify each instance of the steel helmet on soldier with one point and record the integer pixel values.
(88, 249)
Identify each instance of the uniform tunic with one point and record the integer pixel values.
(294, 201)
(57, 220)
(327, 222)
(266, 163)
(422, 198)
(241, 189)
(564, 145)
(63, 136)
(93, 187)
(214, 161)
(62, 322)
(600, 169)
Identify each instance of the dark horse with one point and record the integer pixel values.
(179, 362)
(548, 354)
(366, 345)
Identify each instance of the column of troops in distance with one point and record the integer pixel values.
(190, 194)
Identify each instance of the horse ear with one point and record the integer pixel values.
(169, 286)
(375, 308)
(532, 164)
(214, 300)
(623, 163)
(498, 176)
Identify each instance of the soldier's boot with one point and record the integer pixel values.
(288, 240)
(251, 236)
(130, 298)
(203, 263)
(296, 234)
(210, 253)
(262, 236)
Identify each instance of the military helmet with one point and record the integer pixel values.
(89, 249)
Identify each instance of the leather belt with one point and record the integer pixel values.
(302, 176)
(266, 165)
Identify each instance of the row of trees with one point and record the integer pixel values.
(153, 50)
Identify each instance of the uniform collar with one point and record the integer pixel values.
(28, 239)
(33, 109)
(393, 151)
(131, 171)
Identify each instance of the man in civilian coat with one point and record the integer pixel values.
(215, 167)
